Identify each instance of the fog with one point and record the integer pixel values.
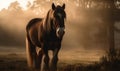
(85, 28)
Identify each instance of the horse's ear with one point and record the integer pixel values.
(63, 6)
(53, 6)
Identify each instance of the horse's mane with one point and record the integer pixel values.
(47, 21)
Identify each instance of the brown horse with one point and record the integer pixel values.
(46, 34)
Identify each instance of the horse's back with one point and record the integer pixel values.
(32, 30)
(33, 22)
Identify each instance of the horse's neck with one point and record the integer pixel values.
(47, 22)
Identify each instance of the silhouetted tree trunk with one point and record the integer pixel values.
(117, 30)
(111, 39)
(111, 24)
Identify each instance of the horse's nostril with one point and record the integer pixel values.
(60, 32)
(63, 31)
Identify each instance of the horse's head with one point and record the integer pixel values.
(59, 16)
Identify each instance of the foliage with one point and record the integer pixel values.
(111, 61)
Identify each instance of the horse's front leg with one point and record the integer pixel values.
(53, 66)
(40, 55)
(46, 59)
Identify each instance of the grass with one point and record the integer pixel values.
(109, 62)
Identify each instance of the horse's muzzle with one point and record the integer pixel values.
(60, 32)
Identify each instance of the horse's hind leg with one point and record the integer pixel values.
(31, 54)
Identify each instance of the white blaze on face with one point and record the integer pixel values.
(60, 31)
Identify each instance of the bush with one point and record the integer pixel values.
(111, 61)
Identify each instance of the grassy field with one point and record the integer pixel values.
(11, 64)
(12, 61)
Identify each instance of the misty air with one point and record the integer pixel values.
(91, 40)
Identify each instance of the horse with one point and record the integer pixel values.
(46, 34)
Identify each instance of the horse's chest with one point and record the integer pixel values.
(53, 45)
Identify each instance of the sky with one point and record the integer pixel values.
(6, 3)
